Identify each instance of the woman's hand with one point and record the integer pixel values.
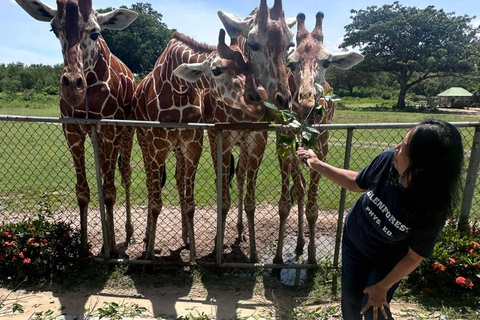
(377, 298)
(307, 155)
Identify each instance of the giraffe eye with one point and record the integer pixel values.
(94, 36)
(217, 71)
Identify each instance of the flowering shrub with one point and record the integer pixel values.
(37, 248)
(454, 267)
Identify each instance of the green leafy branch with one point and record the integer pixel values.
(305, 135)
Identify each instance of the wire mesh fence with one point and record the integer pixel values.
(37, 173)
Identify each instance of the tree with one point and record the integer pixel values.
(140, 44)
(349, 79)
(413, 44)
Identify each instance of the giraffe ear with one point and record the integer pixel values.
(191, 72)
(345, 60)
(291, 22)
(116, 20)
(234, 25)
(38, 10)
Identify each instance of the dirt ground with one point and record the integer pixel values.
(172, 302)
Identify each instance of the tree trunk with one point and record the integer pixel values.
(403, 92)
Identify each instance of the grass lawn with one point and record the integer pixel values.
(36, 161)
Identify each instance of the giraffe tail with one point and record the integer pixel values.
(293, 194)
(120, 168)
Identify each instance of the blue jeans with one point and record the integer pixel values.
(358, 273)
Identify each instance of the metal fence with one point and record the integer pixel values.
(36, 173)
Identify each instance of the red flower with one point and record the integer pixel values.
(471, 251)
(31, 239)
(26, 261)
(21, 255)
(452, 261)
(477, 264)
(427, 290)
(1, 257)
(468, 283)
(14, 258)
(59, 243)
(6, 233)
(438, 266)
(36, 244)
(475, 244)
(460, 281)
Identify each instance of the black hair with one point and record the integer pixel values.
(434, 186)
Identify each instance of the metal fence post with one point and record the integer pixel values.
(98, 172)
(219, 243)
(341, 210)
(472, 173)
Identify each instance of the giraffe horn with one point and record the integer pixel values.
(276, 11)
(262, 14)
(225, 52)
(302, 32)
(85, 8)
(317, 32)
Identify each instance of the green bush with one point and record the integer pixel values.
(37, 248)
(454, 267)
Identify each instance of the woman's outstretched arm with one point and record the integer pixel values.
(342, 177)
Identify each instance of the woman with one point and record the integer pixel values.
(411, 190)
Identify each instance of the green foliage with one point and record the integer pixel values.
(140, 44)
(454, 268)
(320, 313)
(36, 78)
(304, 135)
(113, 310)
(413, 44)
(37, 248)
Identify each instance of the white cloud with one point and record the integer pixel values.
(476, 22)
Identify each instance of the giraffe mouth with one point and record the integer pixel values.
(255, 110)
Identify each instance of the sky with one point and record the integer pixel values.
(24, 39)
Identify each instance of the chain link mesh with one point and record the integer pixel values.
(36, 173)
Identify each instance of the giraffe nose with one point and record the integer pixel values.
(281, 101)
(306, 95)
(72, 81)
(252, 98)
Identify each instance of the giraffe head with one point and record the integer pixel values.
(78, 28)
(268, 36)
(310, 60)
(230, 79)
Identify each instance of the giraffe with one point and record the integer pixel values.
(308, 65)
(174, 92)
(94, 85)
(268, 38)
(252, 146)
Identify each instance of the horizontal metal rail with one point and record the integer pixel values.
(220, 126)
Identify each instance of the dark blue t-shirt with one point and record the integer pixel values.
(375, 224)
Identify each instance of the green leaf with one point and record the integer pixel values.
(48, 312)
(284, 141)
(423, 315)
(270, 106)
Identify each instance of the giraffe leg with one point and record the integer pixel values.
(180, 179)
(126, 172)
(284, 207)
(75, 141)
(241, 169)
(312, 215)
(192, 152)
(108, 161)
(226, 200)
(154, 165)
(299, 184)
(256, 149)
